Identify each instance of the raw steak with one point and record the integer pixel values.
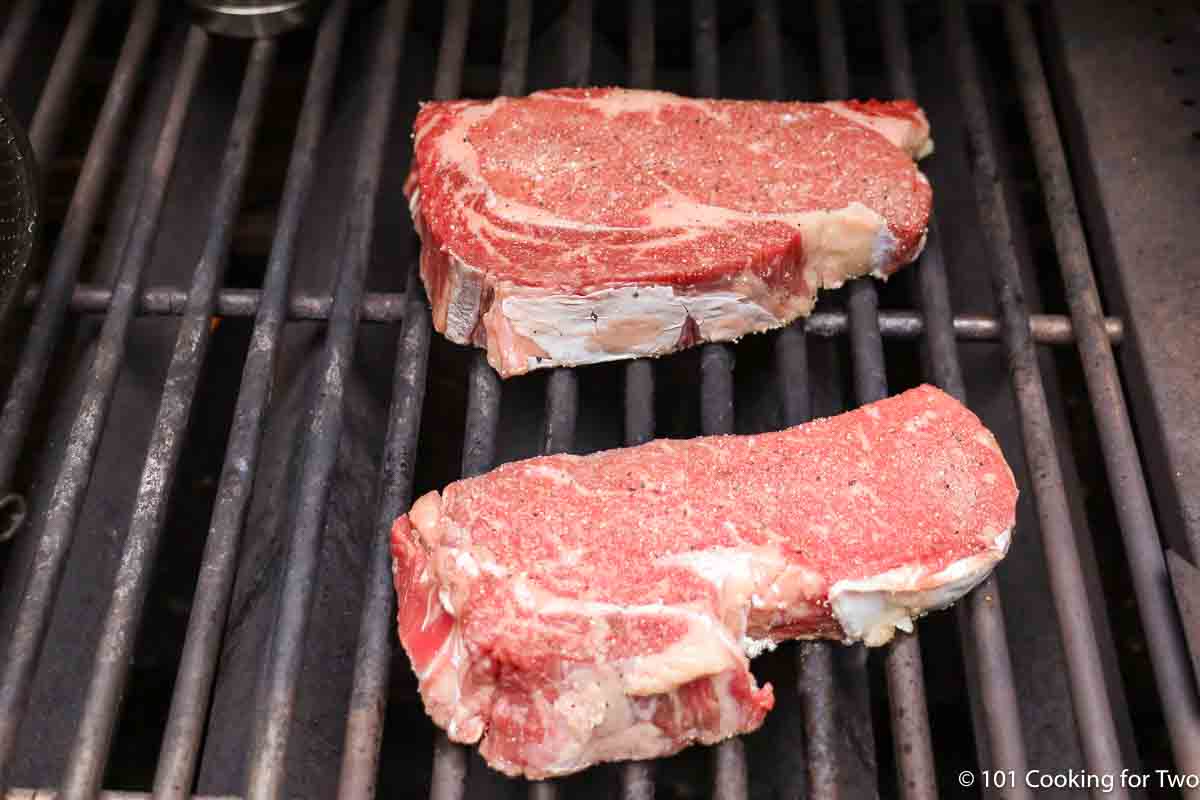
(568, 610)
(582, 225)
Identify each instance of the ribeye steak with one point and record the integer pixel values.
(567, 610)
(582, 225)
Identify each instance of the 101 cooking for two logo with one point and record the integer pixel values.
(1079, 779)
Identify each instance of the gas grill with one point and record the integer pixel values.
(223, 388)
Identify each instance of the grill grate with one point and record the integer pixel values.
(1132, 497)
(819, 666)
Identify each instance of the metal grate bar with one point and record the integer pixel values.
(562, 411)
(483, 416)
(716, 389)
(514, 61)
(452, 52)
(562, 387)
(45, 130)
(716, 360)
(277, 687)
(815, 685)
(641, 44)
(730, 779)
(89, 755)
(33, 614)
(42, 335)
(639, 373)
(1090, 699)
(639, 402)
(980, 613)
(637, 777)
(637, 780)
(167, 301)
(15, 30)
(906, 685)
(1130, 494)
(390, 307)
(449, 769)
(194, 681)
(484, 390)
(814, 659)
(577, 59)
(706, 66)
(483, 410)
(768, 43)
(364, 726)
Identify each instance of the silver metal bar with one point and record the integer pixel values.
(389, 307)
(638, 777)
(641, 44)
(577, 38)
(46, 127)
(514, 60)
(449, 769)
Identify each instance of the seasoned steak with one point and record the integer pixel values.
(583, 225)
(568, 610)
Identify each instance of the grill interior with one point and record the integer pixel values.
(224, 387)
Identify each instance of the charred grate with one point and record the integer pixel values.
(62, 300)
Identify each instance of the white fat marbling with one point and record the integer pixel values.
(872, 609)
(754, 648)
(626, 321)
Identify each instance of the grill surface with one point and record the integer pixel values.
(257, 501)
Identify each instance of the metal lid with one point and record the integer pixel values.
(254, 18)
